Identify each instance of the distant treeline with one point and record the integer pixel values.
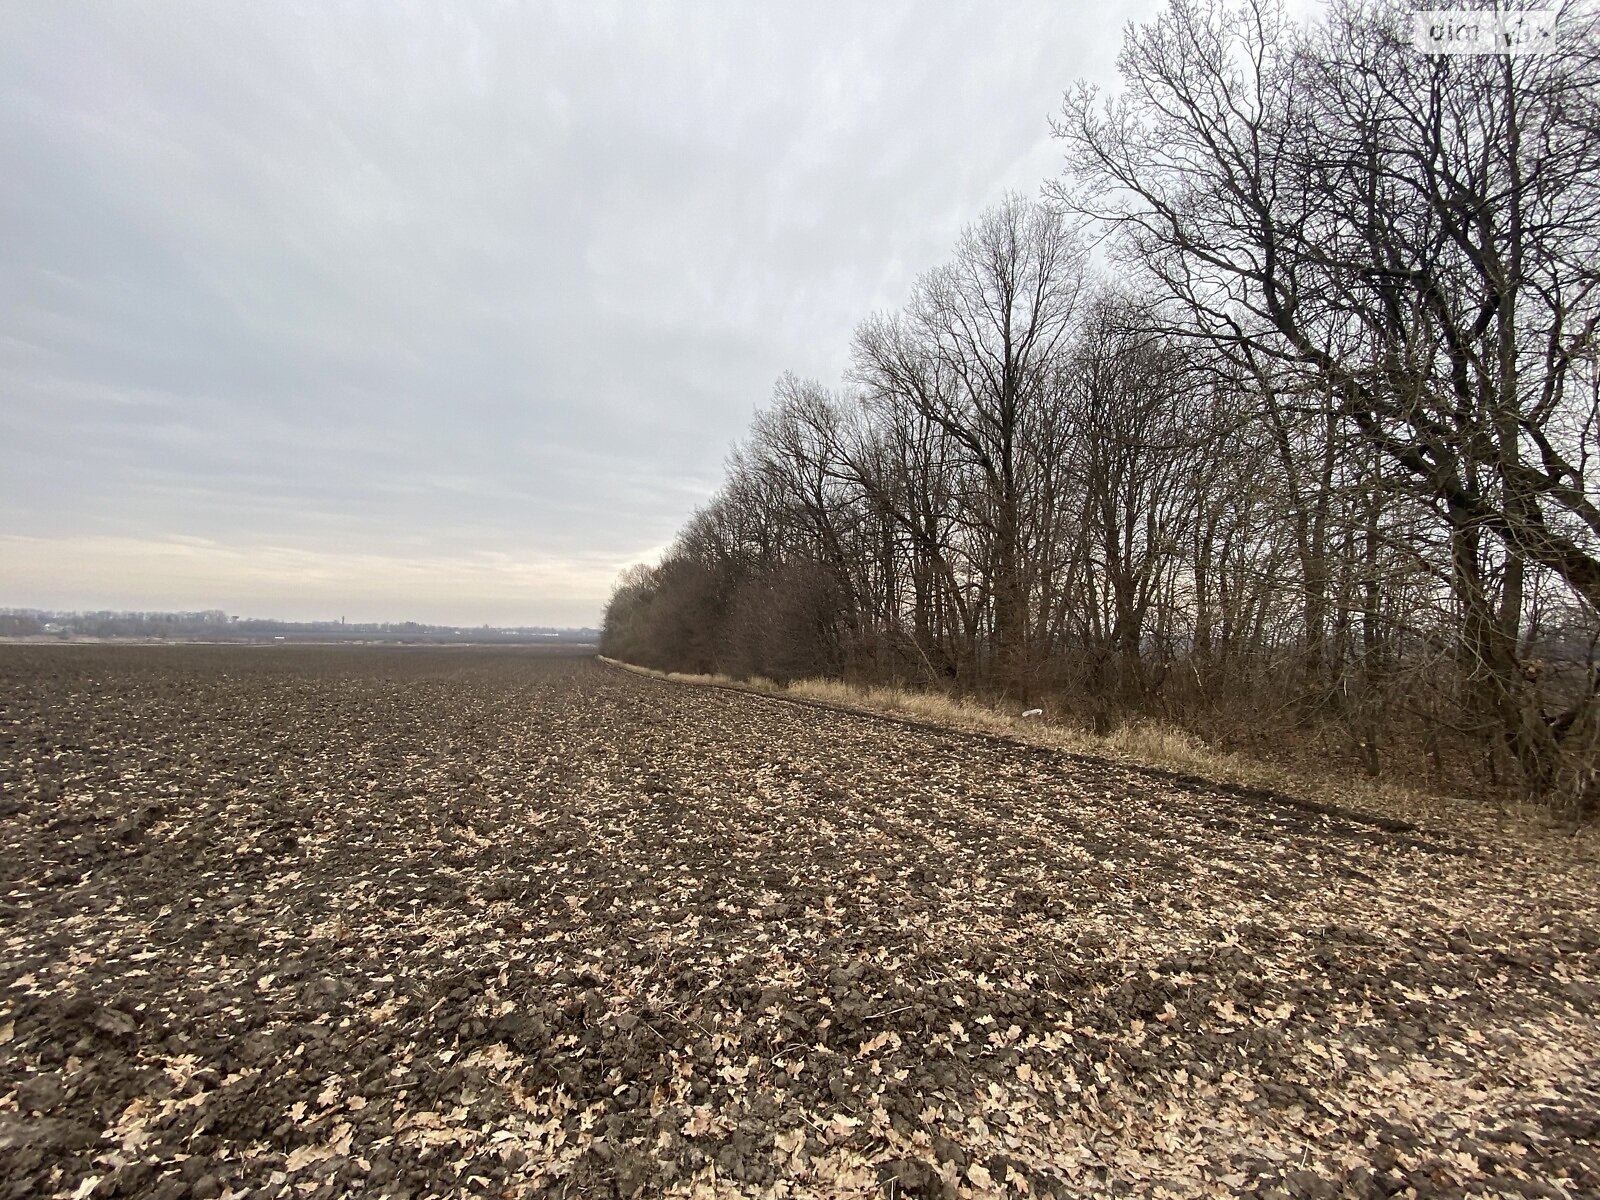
(214, 625)
(1303, 457)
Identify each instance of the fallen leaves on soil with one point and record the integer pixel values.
(314, 922)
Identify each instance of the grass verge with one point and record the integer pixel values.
(1151, 745)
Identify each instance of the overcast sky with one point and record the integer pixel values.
(448, 312)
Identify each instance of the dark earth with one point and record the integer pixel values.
(317, 922)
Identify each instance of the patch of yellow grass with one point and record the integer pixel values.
(934, 708)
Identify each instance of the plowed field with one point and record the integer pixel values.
(326, 922)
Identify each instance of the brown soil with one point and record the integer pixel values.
(451, 922)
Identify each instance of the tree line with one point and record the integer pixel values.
(1274, 416)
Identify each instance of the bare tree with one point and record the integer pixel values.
(1417, 236)
(973, 357)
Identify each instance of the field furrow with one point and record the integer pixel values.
(325, 922)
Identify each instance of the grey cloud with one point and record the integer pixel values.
(424, 281)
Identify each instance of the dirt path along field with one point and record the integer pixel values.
(309, 922)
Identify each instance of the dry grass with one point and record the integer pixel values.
(1151, 744)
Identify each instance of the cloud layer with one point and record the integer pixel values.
(450, 311)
